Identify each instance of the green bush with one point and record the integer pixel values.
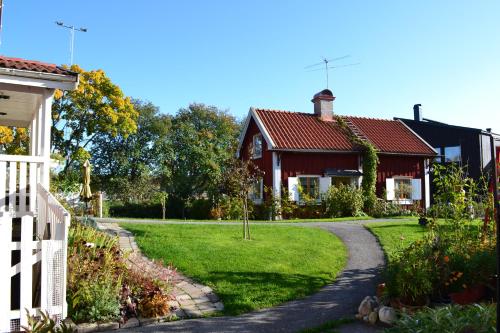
(135, 210)
(95, 272)
(448, 319)
(343, 200)
(410, 275)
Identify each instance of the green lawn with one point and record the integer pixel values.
(396, 234)
(399, 233)
(280, 263)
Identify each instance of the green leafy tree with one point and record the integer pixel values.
(205, 140)
(135, 167)
(97, 107)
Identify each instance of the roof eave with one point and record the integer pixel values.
(38, 79)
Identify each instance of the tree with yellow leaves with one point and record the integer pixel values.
(14, 140)
(97, 107)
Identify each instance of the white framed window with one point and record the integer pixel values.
(309, 186)
(403, 190)
(257, 146)
(256, 193)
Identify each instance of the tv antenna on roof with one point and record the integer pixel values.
(325, 62)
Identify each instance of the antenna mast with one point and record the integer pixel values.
(326, 61)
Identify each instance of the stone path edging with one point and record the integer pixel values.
(192, 300)
(337, 300)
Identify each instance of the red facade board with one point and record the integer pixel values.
(293, 164)
(394, 165)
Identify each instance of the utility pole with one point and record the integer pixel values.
(72, 30)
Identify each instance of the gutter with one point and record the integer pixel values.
(39, 75)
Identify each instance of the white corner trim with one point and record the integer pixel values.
(276, 175)
(260, 125)
(262, 128)
(418, 136)
(42, 80)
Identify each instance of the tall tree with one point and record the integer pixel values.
(134, 167)
(14, 140)
(96, 108)
(205, 140)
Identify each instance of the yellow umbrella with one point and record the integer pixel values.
(86, 194)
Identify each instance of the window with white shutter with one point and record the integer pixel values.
(293, 188)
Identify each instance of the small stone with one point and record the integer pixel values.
(365, 318)
(173, 304)
(132, 322)
(206, 290)
(86, 327)
(192, 312)
(183, 297)
(387, 315)
(366, 306)
(179, 313)
(219, 306)
(201, 299)
(212, 297)
(358, 316)
(373, 317)
(147, 321)
(108, 326)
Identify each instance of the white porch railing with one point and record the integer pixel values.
(33, 244)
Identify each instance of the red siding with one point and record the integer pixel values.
(391, 166)
(293, 164)
(265, 163)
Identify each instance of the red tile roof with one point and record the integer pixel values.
(34, 66)
(390, 136)
(293, 130)
(305, 131)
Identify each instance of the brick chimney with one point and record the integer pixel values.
(323, 104)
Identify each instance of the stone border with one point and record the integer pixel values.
(192, 300)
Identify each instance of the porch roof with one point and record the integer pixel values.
(24, 84)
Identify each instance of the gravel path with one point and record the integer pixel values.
(337, 300)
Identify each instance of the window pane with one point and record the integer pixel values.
(452, 154)
(402, 188)
(257, 145)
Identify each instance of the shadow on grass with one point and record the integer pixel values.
(334, 301)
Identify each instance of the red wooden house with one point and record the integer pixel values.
(312, 151)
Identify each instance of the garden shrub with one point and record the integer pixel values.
(229, 208)
(448, 319)
(100, 287)
(95, 272)
(410, 274)
(135, 210)
(343, 200)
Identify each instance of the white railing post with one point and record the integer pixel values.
(5, 264)
(26, 266)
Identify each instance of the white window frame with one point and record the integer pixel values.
(257, 154)
(405, 201)
(309, 176)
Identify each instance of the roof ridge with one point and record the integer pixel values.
(369, 118)
(284, 111)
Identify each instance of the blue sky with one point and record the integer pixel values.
(234, 54)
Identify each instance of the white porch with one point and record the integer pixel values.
(33, 224)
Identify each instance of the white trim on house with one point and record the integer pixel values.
(38, 79)
(276, 175)
(262, 129)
